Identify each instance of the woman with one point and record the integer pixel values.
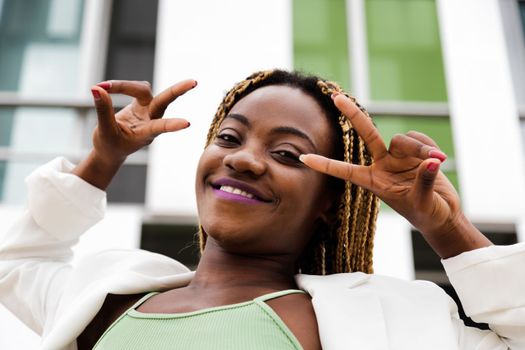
(265, 215)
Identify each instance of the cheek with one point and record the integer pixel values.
(303, 197)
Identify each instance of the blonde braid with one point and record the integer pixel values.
(345, 245)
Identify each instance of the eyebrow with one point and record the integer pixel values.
(278, 130)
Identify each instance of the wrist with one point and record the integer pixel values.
(106, 160)
(97, 170)
(456, 236)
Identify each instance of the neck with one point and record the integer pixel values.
(220, 269)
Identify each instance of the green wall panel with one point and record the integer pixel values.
(404, 50)
(320, 40)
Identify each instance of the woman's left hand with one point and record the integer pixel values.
(406, 176)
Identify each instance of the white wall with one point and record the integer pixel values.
(484, 111)
(393, 246)
(217, 43)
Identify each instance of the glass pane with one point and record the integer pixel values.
(39, 46)
(320, 41)
(129, 185)
(33, 136)
(404, 51)
(131, 49)
(438, 129)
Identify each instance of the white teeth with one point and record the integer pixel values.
(236, 191)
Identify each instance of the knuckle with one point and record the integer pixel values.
(397, 139)
(146, 86)
(348, 172)
(427, 180)
(101, 109)
(413, 133)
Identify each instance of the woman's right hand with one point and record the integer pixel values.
(135, 126)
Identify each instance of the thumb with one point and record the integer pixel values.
(425, 178)
(104, 108)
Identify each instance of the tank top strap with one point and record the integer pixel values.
(278, 294)
(142, 300)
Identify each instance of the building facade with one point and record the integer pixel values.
(452, 69)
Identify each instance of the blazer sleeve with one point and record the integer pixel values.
(490, 283)
(35, 253)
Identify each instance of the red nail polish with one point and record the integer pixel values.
(437, 154)
(105, 85)
(433, 167)
(96, 94)
(188, 124)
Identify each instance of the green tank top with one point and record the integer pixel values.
(249, 325)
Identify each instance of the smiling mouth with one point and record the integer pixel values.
(237, 191)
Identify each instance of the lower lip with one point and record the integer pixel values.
(235, 197)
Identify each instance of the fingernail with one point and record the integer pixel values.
(188, 124)
(106, 85)
(437, 154)
(194, 83)
(96, 94)
(335, 94)
(301, 158)
(432, 167)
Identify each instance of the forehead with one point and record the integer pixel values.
(284, 106)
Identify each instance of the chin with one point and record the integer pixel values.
(226, 236)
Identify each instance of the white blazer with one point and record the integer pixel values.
(353, 310)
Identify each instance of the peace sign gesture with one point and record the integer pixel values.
(405, 176)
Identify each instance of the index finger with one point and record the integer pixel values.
(161, 101)
(356, 174)
(363, 125)
(141, 90)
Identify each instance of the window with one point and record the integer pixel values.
(404, 51)
(404, 82)
(406, 71)
(49, 56)
(39, 59)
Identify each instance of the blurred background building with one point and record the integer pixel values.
(452, 69)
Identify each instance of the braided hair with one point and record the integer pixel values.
(346, 244)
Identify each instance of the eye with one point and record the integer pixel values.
(287, 156)
(227, 139)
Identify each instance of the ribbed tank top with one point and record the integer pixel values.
(248, 325)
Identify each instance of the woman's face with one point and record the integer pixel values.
(254, 196)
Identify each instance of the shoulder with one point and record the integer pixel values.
(384, 287)
(297, 312)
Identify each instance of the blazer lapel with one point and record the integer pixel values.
(347, 318)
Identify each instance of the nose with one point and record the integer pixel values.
(246, 161)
